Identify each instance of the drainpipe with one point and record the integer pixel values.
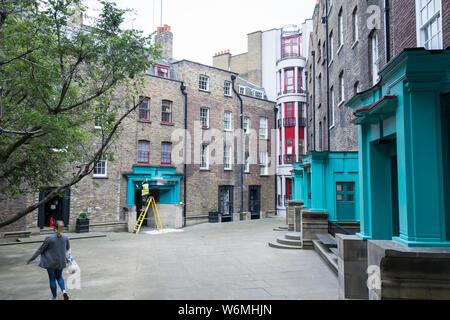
(328, 77)
(314, 100)
(233, 78)
(183, 91)
(387, 31)
(275, 109)
(306, 114)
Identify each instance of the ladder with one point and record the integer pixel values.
(150, 202)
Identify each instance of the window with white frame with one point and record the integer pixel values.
(101, 167)
(332, 106)
(246, 125)
(340, 29)
(203, 82)
(227, 157)
(341, 87)
(227, 88)
(162, 71)
(263, 130)
(258, 94)
(263, 163)
(330, 47)
(374, 57)
(355, 24)
(204, 117)
(227, 120)
(429, 24)
(241, 90)
(247, 164)
(204, 156)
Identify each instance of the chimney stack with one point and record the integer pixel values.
(164, 37)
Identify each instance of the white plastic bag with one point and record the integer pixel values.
(71, 264)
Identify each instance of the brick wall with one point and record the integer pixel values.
(404, 22)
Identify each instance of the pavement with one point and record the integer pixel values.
(211, 261)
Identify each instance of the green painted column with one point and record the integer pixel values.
(318, 196)
(364, 185)
(420, 168)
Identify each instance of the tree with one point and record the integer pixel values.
(59, 76)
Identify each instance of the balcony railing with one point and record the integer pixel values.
(289, 158)
(289, 122)
(290, 54)
(292, 91)
(301, 122)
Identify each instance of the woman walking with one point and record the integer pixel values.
(53, 258)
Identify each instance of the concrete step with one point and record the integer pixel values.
(284, 240)
(293, 235)
(281, 228)
(328, 256)
(327, 240)
(282, 246)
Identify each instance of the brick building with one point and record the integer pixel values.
(150, 148)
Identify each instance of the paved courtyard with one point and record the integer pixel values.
(204, 262)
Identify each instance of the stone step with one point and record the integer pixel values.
(284, 240)
(293, 235)
(335, 251)
(282, 246)
(282, 228)
(327, 240)
(329, 257)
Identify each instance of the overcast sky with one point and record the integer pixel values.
(202, 27)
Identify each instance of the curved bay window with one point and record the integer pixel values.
(290, 46)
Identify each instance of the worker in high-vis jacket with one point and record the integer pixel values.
(145, 193)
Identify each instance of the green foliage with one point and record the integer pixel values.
(83, 215)
(58, 77)
(213, 210)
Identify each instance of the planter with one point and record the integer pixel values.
(213, 217)
(82, 226)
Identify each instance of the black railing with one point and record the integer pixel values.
(301, 122)
(289, 158)
(298, 90)
(289, 122)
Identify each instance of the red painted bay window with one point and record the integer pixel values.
(289, 81)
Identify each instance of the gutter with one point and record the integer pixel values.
(328, 78)
(275, 109)
(183, 91)
(233, 78)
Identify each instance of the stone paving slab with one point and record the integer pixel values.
(223, 261)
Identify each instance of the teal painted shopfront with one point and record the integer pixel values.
(404, 159)
(164, 184)
(328, 181)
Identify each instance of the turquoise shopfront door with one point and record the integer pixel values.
(345, 200)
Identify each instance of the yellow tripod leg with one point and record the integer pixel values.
(157, 213)
(154, 214)
(143, 214)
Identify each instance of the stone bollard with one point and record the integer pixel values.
(290, 214)
(313, 222)
(352, 267)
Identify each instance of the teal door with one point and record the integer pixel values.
(345, 201)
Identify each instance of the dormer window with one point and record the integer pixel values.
(161, 71)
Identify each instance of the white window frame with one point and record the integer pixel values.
(333, 101)
(247, 164)
(241, 90)
(263, 163)
(422, 27)
(331, 49)
(227, 155)
(375, 57)
(204, 156)
(202, 117)
(341, 88)
(227, 88)
(355, 24)
(203, 79)
(246, 125)
(102, 163)
(263, 130)
(341, 28)
(227, 119)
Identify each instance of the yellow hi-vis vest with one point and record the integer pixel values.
(145, 189)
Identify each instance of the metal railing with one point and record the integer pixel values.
(289, 122)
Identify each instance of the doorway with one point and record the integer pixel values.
(226, 203)
(254, 201)
(345, 201)
(149, 220)
(56, 209)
